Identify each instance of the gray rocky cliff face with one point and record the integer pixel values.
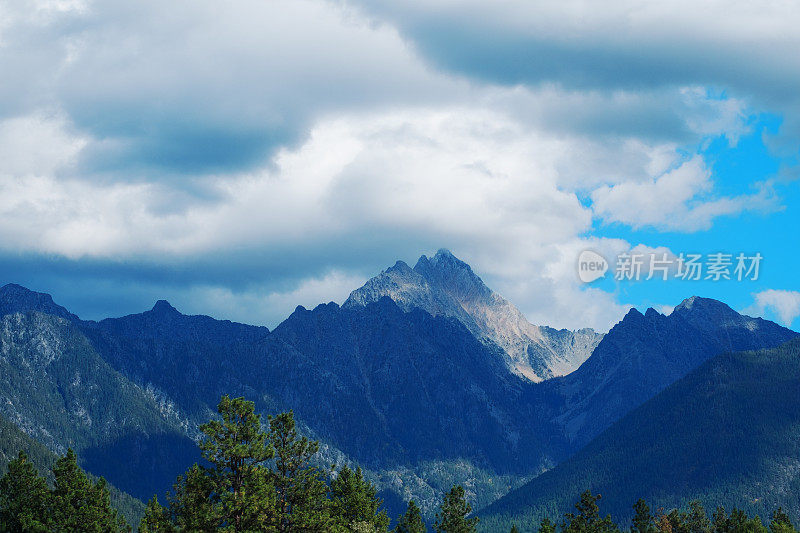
(444, 285)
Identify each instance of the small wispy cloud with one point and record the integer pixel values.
(785, 304)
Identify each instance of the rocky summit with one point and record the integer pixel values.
(445, 285)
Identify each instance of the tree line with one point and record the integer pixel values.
(695, 519)
(250, 480)
(74, 502)
(257, 480)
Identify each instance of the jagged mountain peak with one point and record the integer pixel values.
(644, 353)
(443, 258)
(445, 253)
(446, 285)
(652, 313)
(446, 269)
(442, 261)
(163, 320)
(632, 314)
(704, 311)
(689, 302)
(330, 306)
(18, 299)
(400, 267)
(691, 309)
(163, 307)
(301, 313)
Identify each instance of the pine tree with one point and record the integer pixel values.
(411, 521)
(302, 502)
(192, 505)
(696, 520)
(354, 500)
(23, 498)
(233, 493)
(677, 521)
(722, 523)
(737, 522)
(547, 526)
(237, 449)
(514, 528)
(156, 519)
(643, 518)
(588, 520)
(454, 512)
(78, 503)
(781, 523)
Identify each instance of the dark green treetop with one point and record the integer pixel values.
(453, 515)
(354, 501)
(80, 504)
(411, 521)
(587, 519)
(24, 498)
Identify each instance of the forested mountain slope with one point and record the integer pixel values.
(728, 434)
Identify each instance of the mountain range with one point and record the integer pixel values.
(726, 434)
(424, 376)
(644, 353)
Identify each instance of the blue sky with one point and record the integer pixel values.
(738, 170)
(240, 162)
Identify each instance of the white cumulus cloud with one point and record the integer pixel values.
(679, 199)
(283, 141)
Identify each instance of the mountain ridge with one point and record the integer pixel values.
(644, 353)
(16, 298)
(412, 396)
(727, 433)
(446, 285)
(60, 391)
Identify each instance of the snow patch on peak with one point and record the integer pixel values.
(688, 303)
